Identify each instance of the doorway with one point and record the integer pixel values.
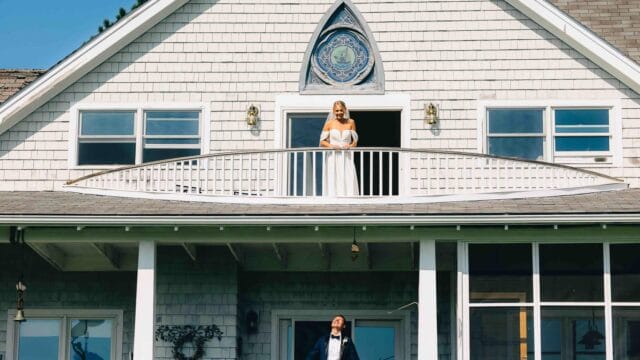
(377, 171)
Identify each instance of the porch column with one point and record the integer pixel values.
(427, 306)
(143, 337)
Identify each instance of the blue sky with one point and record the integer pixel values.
(36, 34)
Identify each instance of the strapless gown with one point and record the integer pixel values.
(339, 176)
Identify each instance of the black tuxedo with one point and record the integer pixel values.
(321, 349)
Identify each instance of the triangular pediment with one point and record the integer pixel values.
(342, 56)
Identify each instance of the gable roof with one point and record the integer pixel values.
(13, 80)
(616, 21)
(103, 46)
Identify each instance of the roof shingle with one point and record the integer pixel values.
(12, 81)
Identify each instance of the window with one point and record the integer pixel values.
(516, 133)
(66, 335)
(564, 132)
(128, 137)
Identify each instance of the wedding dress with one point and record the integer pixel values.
(339, 175)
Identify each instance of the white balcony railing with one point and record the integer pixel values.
(387, 174)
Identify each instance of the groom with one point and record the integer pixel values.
(334, 346)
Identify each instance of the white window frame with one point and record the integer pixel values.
(463, 303)
(613, 157)
(401, 316)
(139, 127)
(64, 315)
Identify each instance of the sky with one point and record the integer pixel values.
(36, 34)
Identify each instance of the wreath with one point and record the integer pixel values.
(181, 335)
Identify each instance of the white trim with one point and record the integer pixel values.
(403, 316)
(548, 106)
(139, 109)
(537, 308)
(427, 302)
(144, 327)
(582, 39)
(85, 59)
(64, 315)
(608, 311)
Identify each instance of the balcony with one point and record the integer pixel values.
(384, 175)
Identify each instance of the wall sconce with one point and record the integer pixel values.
(431, 114)
(355, 248)
(253, 115)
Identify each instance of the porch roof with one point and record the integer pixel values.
(66, 204)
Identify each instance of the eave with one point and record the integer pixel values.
(85, 59)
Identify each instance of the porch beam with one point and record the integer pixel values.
(427, 302)
(280, 254)
(51, 254)
(191, 250)
(109, 252)
(235, 252)
(143, 337)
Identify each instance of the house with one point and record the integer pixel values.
(164, 195)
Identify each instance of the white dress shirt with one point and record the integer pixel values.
(333, 352)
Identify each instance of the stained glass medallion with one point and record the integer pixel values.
(342, 57)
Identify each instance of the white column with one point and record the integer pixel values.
(143, 338)
(427, 306)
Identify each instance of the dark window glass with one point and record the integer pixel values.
(581, 118)
(515, 121)
(573, 333)
(172, 123)
(500, 273)
(107, 123)
(571, 272)
(90, 339)
(625, 272)
(103, 153)
(501, 333)
(149, 155)
(530, 148)
(626, 333)
(582, 143)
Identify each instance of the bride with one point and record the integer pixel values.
(339, 132)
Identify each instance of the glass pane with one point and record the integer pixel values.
(571, 272)
(515, 121)
(90, 339)
(530, 148)
(149, 155)
(106, 153)
(576, 117)
(582, 143)
(375, 341)
(38, 339)
(106, 123)
(500, 273)
(304, 131)
(625, 272)
(573, 333)
(582, 129)
(172, 123)
(501, 333)
(626, 333)
(172, 141)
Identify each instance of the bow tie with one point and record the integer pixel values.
(335, 337)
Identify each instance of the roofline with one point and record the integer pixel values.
(581, 39)
(335, 220)
(83, 60)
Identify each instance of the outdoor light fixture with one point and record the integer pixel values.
(253, 115)
(431, 114)
(592, 337)
(20, 288)
(252, 322)
(355, 248)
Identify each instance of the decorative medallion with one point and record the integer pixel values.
(342, 57)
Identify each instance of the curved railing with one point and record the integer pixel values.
(381, 173)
